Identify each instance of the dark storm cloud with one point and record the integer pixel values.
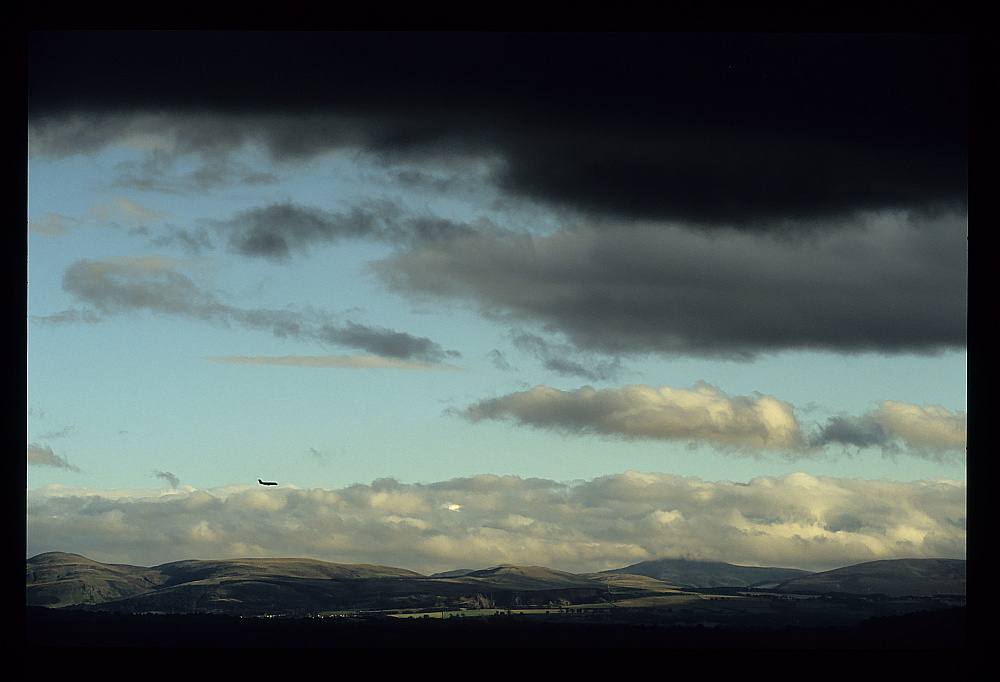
(711, 129)
(887, 283)
(154, 285)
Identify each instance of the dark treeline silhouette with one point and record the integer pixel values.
(942, 629)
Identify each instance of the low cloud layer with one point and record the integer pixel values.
(704, 414)
(157, 286)
(815, 523)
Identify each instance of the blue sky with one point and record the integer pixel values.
(399, 296)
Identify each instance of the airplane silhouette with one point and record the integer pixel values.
(266, 482)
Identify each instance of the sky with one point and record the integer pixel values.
(567, 299)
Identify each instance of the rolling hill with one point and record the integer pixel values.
(191, 570)
(60, 579)
(894, 578)
(528, 578)
(309, 586)
(285, 586)
(691, 573)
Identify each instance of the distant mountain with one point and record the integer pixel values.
(894, 578)
(692, 573)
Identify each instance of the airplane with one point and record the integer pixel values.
(266, 482)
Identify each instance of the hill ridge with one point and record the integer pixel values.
(299, 585)
(892, 577)
(709, 573)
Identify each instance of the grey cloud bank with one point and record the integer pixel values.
(892, 282)
(791, 191)
(815, 523)
(888, 283)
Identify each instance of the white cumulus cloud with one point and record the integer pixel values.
(702, 413)
(799, 520)
(929, 427)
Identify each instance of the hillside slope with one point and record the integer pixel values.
(894, 578)
(286, 586)
(528, 577)
(309, 586)
(58, 579)
(191, 570)
(691, 573)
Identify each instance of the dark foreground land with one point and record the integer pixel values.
(942, 629)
